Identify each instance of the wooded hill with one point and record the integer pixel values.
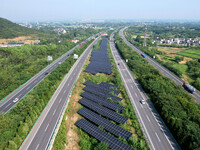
(9, 29)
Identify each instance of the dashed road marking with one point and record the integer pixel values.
(54, 111)
(157, 137)
(46, 128)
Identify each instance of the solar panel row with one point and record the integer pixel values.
(106, 103)
(101, 135)
(103, 95)
(104, 111)
(100, 60)
(93, 85)
(111, 127)
(107, 85)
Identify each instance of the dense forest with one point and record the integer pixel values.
(175, 105)
(9, 29)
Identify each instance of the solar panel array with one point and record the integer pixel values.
(101, 135)
(100, 111)
(99, 60)
(101, 87)
(101, 94)
(109, 126)
(104, 111)
(103, 102)
(107, 85)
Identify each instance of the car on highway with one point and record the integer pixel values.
(118, 63)
(142, 101)
(46, 73)
(59, 62)
(15, 100)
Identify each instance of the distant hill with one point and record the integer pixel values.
(9, 29)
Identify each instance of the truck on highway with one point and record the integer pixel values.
(143, 55)
(188, 87)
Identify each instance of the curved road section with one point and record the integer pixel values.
(162, 69)
(7, 103)
(43, 131)
(155, 131)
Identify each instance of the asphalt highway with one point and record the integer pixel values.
(162, 69)
(22, 91)
(41, 134)
(155, 131)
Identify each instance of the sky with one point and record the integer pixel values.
(60, 10)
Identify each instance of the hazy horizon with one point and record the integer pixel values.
(59, 10)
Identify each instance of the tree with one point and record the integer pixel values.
(197, 83)
(178, 59)
(12, 145)
(23, 129)
(17, 139)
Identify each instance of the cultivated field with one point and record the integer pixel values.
(190, 53)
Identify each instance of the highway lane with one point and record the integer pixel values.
(162, 69)
(41, 134)
(22, 91)
(156, 133)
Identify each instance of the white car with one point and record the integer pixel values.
(59, 62)
(15, 100)
(142, 101)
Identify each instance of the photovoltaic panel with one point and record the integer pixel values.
(106, 103)
(93, 85)
(107, 85)
(101, 135)
(103, 95)
(100, 62)
(109, 126)
(104, 111)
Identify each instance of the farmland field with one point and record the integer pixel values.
(190, 53)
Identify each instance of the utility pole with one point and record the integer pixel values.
(145, 34)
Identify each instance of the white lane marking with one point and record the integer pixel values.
(157, 137)
(71, 79)
(46, 128)
(28, 88)
(68, 84)
(54, 112)
(19, 95)
(60, 100)
(148, 118)
(8, 105)
(35, 81)
(37, 147)
(65, 91)
(41, 77)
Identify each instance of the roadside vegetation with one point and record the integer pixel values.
(16, 124)
(19, 64)
(71, 137)
(182, 61)
(175, 105)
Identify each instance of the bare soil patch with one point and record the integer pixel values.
(17, 39)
